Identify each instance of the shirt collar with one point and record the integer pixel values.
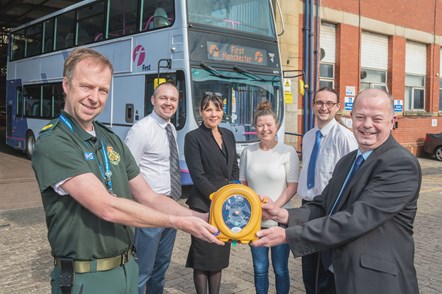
(159, 120)
(366, 154)
(326, 130)
(78, 129)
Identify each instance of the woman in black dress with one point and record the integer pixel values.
(212, 161)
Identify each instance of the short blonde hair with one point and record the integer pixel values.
(80, 54)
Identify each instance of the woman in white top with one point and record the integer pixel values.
(271, 169)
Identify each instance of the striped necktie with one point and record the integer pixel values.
(175, 175)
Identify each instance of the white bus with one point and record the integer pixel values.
(230, 47)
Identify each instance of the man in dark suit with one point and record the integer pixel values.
(362, 223)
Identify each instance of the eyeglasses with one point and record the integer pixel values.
(213, 94)
(320, 103)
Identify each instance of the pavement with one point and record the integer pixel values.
(26, 260)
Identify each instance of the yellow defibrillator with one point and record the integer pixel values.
(236, 211)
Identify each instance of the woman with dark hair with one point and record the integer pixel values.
(271, 169)
(211, 158)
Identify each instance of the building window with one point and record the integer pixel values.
(371, 78)
(414, 92)
(415, 73)
(440, 95)
(374, 61)
(326, 75)
(328, 55)
(440, 83)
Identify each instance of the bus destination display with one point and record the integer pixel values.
(235, 53)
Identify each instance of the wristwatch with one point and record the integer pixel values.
(236, 211)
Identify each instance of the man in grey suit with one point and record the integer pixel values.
(363, 220)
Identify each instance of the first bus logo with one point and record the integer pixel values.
(139, 55)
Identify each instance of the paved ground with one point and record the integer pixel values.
(25, 254)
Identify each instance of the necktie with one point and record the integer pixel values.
(175, 175)
(356, 166)
(312, 162)
(326, 254)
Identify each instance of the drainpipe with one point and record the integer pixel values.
(311, 81)
(306, 29)
(316, 52)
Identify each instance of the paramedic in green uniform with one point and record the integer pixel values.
(87, 178)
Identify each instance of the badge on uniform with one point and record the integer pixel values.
(89, 156)
(113, 155)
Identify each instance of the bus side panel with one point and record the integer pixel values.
(17, 126)
(115, 52)
(125, 90)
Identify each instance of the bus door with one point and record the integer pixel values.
(16, 122)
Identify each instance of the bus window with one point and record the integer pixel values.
(32, 100)
(19, 100)
(122, 18)
(18, 45)
(90, 23)
(252, 16)
(65, 25)
(58, 99)
(47, 100)
(48, 30)
(157, 16)
(33, 40)
(241, 96)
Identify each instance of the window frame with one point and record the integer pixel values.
(54, 96)
(411, 90)
(326, 79)
(373, 84)
(440, 95)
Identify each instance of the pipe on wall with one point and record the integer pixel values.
(316, 51)
(306, 51)
(311, 82)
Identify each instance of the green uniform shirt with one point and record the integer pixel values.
(64, 150)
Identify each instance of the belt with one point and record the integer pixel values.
(102, 264)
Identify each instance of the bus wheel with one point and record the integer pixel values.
(30, 143)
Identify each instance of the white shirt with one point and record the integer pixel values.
(148, 142)
(336, 142)
(268, 172)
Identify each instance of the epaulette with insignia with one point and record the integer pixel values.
(49, 127)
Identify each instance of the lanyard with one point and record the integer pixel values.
(67, 123)
(107, 174)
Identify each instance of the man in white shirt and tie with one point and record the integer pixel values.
(149, 141)
(322, 147)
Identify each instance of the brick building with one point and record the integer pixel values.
(394, 45)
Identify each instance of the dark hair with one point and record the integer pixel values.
(208, 97)
(264, 108)
(328, 89)
(81, 54)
